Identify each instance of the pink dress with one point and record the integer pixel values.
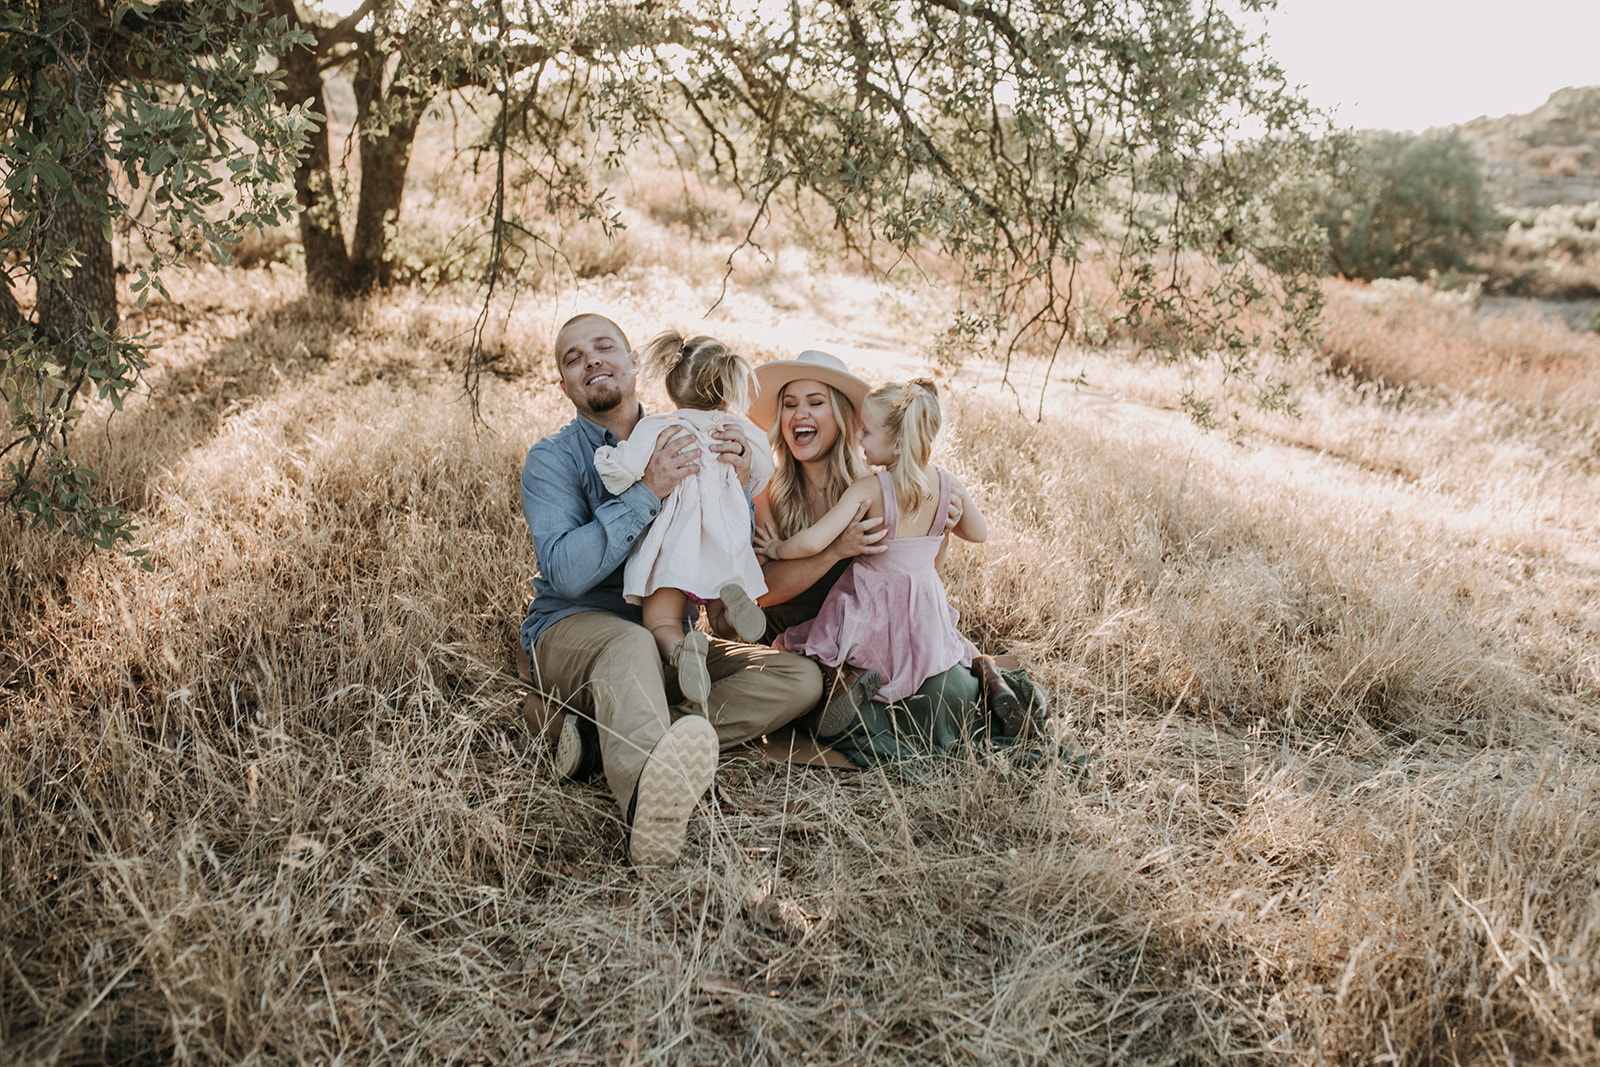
(888, 612)
(701, 539)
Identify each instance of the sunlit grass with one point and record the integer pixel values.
(271, 800)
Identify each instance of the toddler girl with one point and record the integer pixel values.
(888, 612)
(698, 548)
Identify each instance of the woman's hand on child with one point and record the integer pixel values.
(675, 458)
(862, 537)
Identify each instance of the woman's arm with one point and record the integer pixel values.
(788, 578)
(820, 534)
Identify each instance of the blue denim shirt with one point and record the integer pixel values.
(582, 534)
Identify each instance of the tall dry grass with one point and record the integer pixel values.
(1447, 417)
(270, 800)
(1405, 335)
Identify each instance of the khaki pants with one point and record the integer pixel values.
(610, 670)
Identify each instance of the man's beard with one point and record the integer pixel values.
(605, 400)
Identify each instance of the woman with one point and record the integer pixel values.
(809, 406)
(811, 422)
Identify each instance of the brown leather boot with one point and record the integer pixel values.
(849, 689)
(1005, 708)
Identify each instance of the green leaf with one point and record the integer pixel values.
(52, 174)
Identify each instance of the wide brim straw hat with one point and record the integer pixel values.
(810, 365)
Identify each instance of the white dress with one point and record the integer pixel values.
(701, 539)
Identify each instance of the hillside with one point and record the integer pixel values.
(1551, 155)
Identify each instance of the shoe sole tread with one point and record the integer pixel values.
(568, 753)
(675, 777)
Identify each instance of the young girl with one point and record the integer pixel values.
(698, 548)
(888, 612)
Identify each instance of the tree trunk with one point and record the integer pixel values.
(328, 267)
(10, 313)
(66, 305)
(384, 161)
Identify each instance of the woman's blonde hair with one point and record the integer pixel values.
(700, 373)
(786, 493)
(910, 413)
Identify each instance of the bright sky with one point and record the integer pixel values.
(1414, 64)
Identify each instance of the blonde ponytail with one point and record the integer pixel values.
(700, 373)
(910, 413)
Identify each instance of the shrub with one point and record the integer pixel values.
(1550, 251)
(1413, 205)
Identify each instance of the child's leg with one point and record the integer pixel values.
(663, 617)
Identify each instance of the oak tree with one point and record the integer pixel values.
(1014, 143)
(162, 118)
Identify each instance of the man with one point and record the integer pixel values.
(586, 644)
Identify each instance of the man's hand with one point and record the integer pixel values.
(731, 446)
(862, 537)
(952, 517)
(675, 458)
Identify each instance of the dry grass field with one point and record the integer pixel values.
(270, 801)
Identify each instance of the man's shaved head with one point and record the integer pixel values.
(582, 316)
(596, 365)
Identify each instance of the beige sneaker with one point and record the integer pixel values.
(568, 754)
(689, 656)
(742, 613)
(675, 777)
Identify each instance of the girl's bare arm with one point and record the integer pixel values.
(971, 526)
(788, 578)
(820, 534)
